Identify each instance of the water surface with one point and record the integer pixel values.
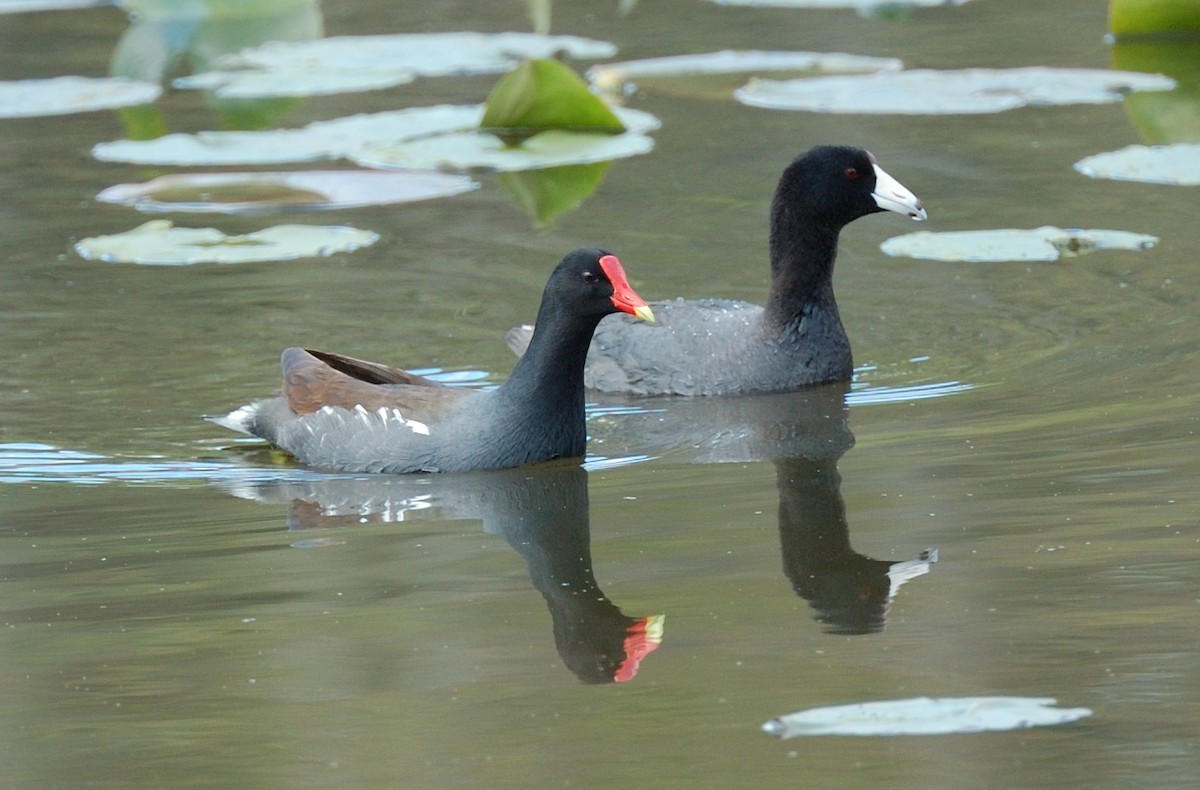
(181, 611)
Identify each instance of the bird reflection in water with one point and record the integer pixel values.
(541, 511)
(803, 434)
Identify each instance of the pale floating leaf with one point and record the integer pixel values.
(268, 84)
(244, 193)
(159, 243)
(353, 63)
(21, 6)
(926, 716)
(991, 246)
(65, 95)
(465, 150)
(1177, 164)
(967, 91)
(611, 77)
(318, 141)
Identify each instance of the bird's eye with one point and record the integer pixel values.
(851, 173)
(589, 278)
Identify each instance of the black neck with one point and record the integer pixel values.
(549, 376)
(802, 256)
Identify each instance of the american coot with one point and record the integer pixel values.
(344, 414)
(723, 347)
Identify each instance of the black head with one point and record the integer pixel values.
(592, 282)
(834, 185)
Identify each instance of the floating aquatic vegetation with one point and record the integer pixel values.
(1160, 164)
(21, 6)
(614, 77)
(926, 716)
(1146, 17)
(991, 246)
(540, 95)
(65, 95)
(321, 140)
(159, 243)
(243, 193)
(931, 92)
(463, 150)
(367, 62)
(269, 84)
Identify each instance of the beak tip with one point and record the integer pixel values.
(644, 313)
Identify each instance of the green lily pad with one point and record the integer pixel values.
(540, 95)
(159, 243)
(1145, 17)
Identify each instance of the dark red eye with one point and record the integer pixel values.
(851, 173)
(589, 277)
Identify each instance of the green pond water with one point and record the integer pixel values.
(178, 611)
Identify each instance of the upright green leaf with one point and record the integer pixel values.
(539, 95)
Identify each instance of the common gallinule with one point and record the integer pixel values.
(724, 347)
(344, 414)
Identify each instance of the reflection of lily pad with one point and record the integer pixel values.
(318, 141)
(242, 193)
(1172, 117)
(925, 716)
(367, 62)
(540, 95)
(64, 95)
(612, 77)
(1159, 164)
(929, 92)
(159, 243)
(544, 194)
(991, 246)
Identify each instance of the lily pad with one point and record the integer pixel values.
(464, 150)
(321, 140)
(159, 243)
(244, 193)
(354, 63)
(967, 91)
(65, 95)
(541, 95)
(613, 77)
(21, 6)
(992, 246)
(1160, 164)
(926, 716)
(269, 84)
(1147, 17)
